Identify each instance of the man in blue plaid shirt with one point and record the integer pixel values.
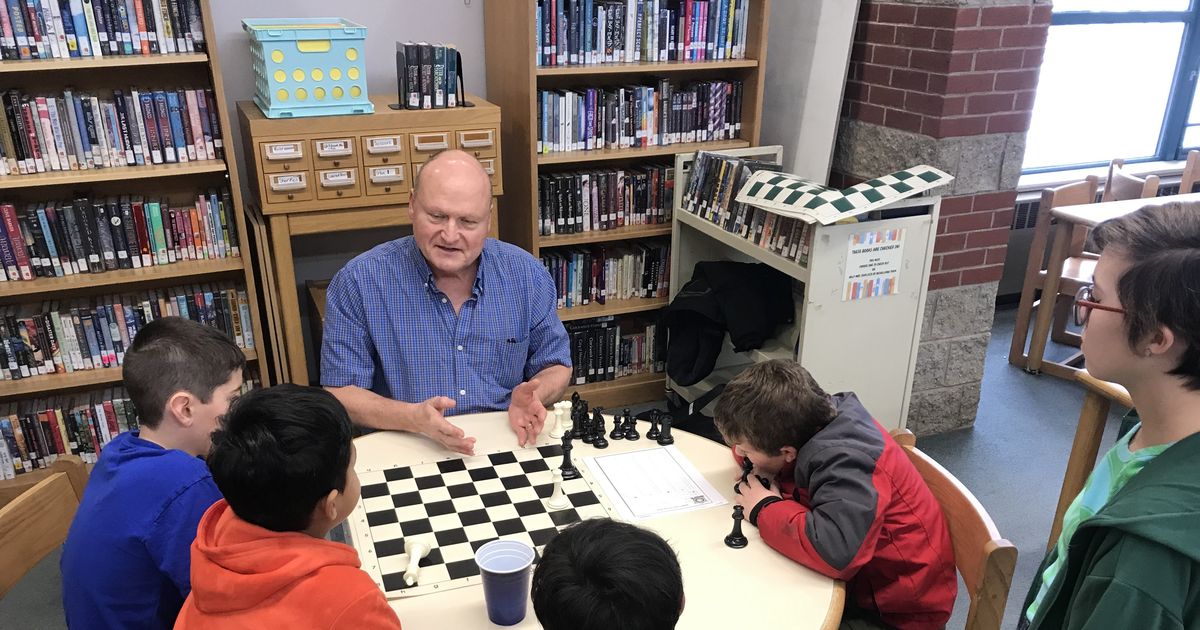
(445, 321)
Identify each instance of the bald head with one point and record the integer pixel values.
(454, 170)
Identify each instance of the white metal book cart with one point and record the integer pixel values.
(849, 338)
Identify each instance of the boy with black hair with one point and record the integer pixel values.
(126, 560)
(285, 462)
(840, 496)
(600, 573)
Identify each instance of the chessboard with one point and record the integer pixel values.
(463, 503)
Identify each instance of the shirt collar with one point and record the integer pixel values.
(423, 270)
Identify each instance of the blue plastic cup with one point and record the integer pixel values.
(504, 567)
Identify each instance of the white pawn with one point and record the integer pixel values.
(557, 432)
(558, 499)
(417, 547)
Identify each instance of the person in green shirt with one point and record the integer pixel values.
(1129, 552)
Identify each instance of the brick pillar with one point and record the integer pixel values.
(950, 85)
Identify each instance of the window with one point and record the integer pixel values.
(1118, 80)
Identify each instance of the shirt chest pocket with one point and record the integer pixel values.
(501, 358)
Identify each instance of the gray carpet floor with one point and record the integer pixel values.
(1013, 460)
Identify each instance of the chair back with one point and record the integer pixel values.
(1121, 185)
(984, 560)
(36, 510)
(1191, 173)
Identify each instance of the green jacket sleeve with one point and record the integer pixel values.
(1103, 603)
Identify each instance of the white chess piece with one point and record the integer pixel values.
(558, 499)
(556, 433)
(568, 422)
(417, 547)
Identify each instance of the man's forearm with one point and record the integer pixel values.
(368, 409)
(552, 383)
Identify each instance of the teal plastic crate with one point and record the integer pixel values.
(308, 66)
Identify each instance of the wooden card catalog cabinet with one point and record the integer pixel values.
(340, 162)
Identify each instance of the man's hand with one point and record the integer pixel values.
(752, 491)
(526, 413)
(430, 420)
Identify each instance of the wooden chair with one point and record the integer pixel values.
(984, 560)
(1120, 185)
(1093, 415)
(35, 514)
(1077, 270)
(1191, 173)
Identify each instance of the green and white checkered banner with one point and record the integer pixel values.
(811, 202)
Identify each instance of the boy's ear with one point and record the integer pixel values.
(789, 453)
(327, 507)
(1159, 341)
(179, 408)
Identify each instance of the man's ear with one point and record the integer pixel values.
(179, 408)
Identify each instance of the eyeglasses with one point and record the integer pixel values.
(1084, 303)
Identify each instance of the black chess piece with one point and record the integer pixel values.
(576, 429)
(631, 432)
(653, 433)
(747, 468)
(569, 471)
(618, 432)
(664, 435)
(735, 538)
(598, 439)
(583, 426)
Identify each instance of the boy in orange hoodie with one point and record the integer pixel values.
(285, 462)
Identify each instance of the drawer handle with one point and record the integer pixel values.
(387, 175)
(337, 179)
(382, 146)
(476, 140)
(288, 182)
(489, 166)
(337, 148)
(434, 143)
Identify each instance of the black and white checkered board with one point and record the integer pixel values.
(463, 503)
(795, 196)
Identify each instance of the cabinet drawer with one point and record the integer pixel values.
(334, 153)
(478, 142)
(283, 156)
(492, 167)
(338, 183)
(426, 144)
(386, 149)
(288, 187)
(386, 180)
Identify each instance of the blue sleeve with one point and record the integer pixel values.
(347, 350)
(548, 341)
(170, 539)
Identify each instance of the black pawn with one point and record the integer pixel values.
(631, 432)
(618, 432)
(735, 538)
(598, 439)
(653, 433)
(569, 471)
(583, 425)
(664, 436)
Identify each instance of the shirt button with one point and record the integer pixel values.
(462, 392)
(443, 300)
(460, 348)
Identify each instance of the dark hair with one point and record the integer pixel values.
(174, 354)
(1162, 285)
(773, 404)
(279, 452)
(599, 574)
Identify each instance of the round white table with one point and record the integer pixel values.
(777, 591)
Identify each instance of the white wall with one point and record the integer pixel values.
(808, 52)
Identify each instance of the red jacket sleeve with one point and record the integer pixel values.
(837, 533)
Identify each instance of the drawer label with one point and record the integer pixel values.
(335, 177)
(386, 142)
(288, 180)
(284, 149)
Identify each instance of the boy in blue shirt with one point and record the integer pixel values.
(126, 560)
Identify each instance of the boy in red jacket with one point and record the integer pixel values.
(840, 496)
(285, 462)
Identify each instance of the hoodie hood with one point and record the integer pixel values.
(1162, 502)
(237, 566)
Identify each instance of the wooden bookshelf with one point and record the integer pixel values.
(667, 67)
(602, 155)
(99, 63)
(513, 81)
(189, 270)
(52, 384)
(120, 72)
(604, 236)
(611, 307)
(96, 175)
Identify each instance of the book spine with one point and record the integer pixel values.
(192, 107)
(145, 112)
